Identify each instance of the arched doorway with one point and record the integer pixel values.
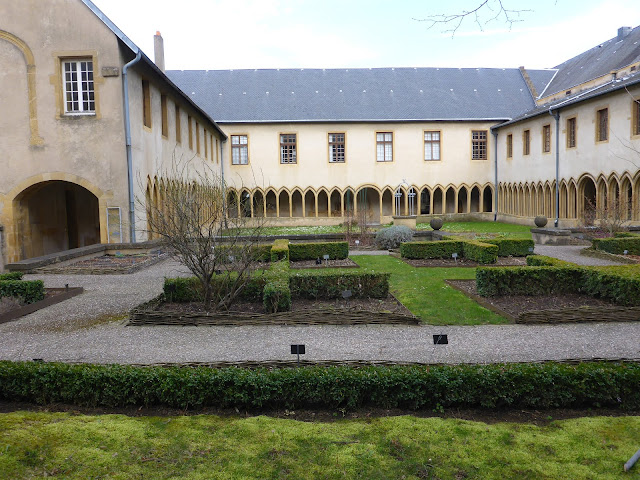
(56, 215)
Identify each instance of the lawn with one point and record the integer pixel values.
(309, 230)
(72, 446)
(423, 291)
(484, 229)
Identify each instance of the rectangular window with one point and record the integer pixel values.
(197, 138)
(288, 153)
(79, 93)
(336, 147)
(178, 126)
(384, 146)
(546, 138)
(146, 103)
(602, 126)
(190, 127)
(478, 144)
(510, 146)
(206, 142)
(432, 145)
(526, 142)
(571, 132)
(635, 117)
(165, 116)
(240, 149)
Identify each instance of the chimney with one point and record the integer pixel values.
(623, 32)
(158, 50)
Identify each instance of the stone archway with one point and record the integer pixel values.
(53, 216)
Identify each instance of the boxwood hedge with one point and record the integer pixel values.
(479, 251)
(30, 291)
(331, 284)
(544, 261)
(313, 250)
(280, 250)
(539, 386)
(512, 247)
(423, 250)
(492, 281)
(276, 295)
(11, 276)
(618, 245)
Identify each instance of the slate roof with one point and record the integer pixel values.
(611, 55)
(377, 95)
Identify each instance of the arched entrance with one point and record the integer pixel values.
(55, 215)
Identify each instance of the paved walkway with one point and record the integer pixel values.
(571, 253)
(89, 328)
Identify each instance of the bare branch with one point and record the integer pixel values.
(495, 10)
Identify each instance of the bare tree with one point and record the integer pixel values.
(483, 13)
(192, 217)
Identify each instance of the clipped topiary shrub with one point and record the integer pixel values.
(440, 249)
(313, 250)
(392, 237)
(544, 261)
(189, 289)
(30, 291)
(479, 251)
(276, 296)
(330, 284)
(618, 245)
(512, 247)
(11, 276)
(620, 285)
(280, 250)
(492, 281)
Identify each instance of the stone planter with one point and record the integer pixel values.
(436, 223)
(407, 221)
(540, 221)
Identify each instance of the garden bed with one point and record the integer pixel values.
(107, 264)
(463, 262)
(562, 308)
(357, 311)
(51, 297)
(345, 263)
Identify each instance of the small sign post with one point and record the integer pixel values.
(440, 339)
(326, 259)
(297, 350)
(455, 257)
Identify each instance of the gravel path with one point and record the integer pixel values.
(571, 253)
(89, 328)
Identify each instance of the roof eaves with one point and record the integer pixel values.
(135, 49)
(364, 120)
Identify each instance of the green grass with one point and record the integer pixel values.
(70, 446)
(310, 230)
(423, 291)
(484, 229)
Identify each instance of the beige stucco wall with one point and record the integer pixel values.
(360, 168)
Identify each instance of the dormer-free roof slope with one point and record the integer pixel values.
(378, 94)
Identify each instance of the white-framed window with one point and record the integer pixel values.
(288, 148)
(432, 145)
(79, 93)
(384, 146)
(336, 147)
(239, 149)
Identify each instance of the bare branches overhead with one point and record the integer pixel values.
(485, 12)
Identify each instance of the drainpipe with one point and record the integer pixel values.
(495, 181)
(127, 130)
(557, 117)
(224, 187)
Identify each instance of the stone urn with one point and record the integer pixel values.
(540, 221)
(436, 223)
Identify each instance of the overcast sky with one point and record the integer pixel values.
(236, 34)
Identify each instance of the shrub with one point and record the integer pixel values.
(261, 253)
(11, 276)
(512, 247)
(331, 284)
(618, 245)
(189, 289)
(491, 281)
(276, 296)
(531, 386)
(620, 285)
(479, 252)
(440, 249)
(544, 261)
(392, 237)
(280, 250)
(30, 291)
(311, 251)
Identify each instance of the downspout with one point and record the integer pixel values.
(127, 130)
(224, 187)
(557, 117)
(495, 181)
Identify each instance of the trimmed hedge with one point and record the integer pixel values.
(537, 386)
(330, 285)
(259, 252)
(479, 251)
(617, 246)
(544, 261)
(492, 281)
(439, 249)
(11, 276)
(512, 247)
(189, 289)
(280, 250)
(311, 251)
(30, 291)
(276, 295)
(620, 285)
